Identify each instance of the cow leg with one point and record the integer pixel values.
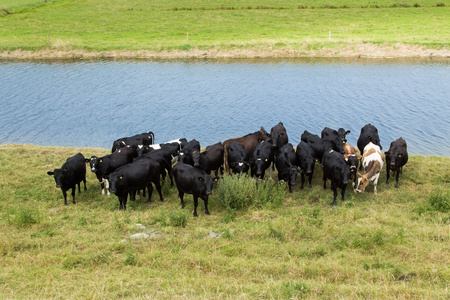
(206, 205)
(120, 202)
(375, 183)
(169, 170)
(132, 195)
(124, 201)
(150, 192)
(65, 196)
(102, 185)
(324, 178)
(387, 173)
(310, 180)
(181, 195)
(79, 187)
(73, 193)
(84, 181)
(290, 187)
(397, 174)
(195, 205)
(343, 192)
(107, 187)
(303, 181)
(158, 188)
(334, 188)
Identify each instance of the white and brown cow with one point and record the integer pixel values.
(373, 162)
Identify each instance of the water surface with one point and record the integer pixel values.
(92, 103)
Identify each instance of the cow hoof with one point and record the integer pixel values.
(396, 186)
(206, 212)
(195, 215)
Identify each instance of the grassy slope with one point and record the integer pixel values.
(360, 249)
(160, 25)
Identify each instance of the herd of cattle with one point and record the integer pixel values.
(136, 162)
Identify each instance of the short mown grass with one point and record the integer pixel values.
(391, 245)
(65, 25)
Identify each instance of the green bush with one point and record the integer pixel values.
(241, 192)
(440, 200)
(178, 218)
(236, 192)
(22, 216)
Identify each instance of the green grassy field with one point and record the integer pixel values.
(64, 25)
(394, 245)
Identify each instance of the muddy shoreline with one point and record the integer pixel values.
(353, 51)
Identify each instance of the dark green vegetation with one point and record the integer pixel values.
(258, 25)
(393, 245)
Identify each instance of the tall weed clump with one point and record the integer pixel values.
(22, 216)
(241, 192)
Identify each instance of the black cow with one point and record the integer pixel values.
(318, 145)
(146, 138)
(396, 158)
(279, 137)
(262, 158)
(185, 155)
(306, 161)
(133, 177)
(337, 170)
(164, 158)
(337, 137)
(191, 180)
(105, 165)
(72, 172)
(369, 133)
(286, 163)
(210, 160)
(238, 158)
(174, 147)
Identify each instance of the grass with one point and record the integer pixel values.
(392, 245)
(65, 25)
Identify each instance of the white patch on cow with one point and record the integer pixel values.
(174, 141)
(156, 147)
(259, 159)
(241, 164)
(331, 150)
(93, 169)
(140, 146)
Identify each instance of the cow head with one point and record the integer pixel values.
(203, 185)
(259, 165)
(93, 163)
(116, 182)
(59, 176)
(240, 167)
(363, 181)
(264, 135)
(352, 161)
(196, 156)
(394, 159)
(290, 174)
(279, 136)
(307, 164)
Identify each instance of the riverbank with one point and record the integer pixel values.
(364, 50)
(391, 245)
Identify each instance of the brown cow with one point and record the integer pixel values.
(250, 141)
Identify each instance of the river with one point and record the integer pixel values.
(92, 103)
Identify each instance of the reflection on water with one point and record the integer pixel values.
(92, 103)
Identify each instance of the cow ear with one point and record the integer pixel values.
(399, 155)
(65, 169)
(50, 173)
(347, 132)
(87, 160)
(120, 177)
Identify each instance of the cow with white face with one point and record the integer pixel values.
(373, 162)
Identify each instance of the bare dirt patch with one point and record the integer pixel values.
(363, 50)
